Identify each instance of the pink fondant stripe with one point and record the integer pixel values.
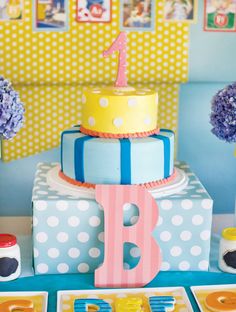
(112, 273)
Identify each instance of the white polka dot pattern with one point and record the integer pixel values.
(83, 237)
(94, 221)
(69, 233)
(165, 266)
(185, 235)
(41, 237)
(62, 205)
(135, 252)
(83, 268)
(166, 204)
(104, 102)
(83, 205)
(196, 250)
(53, 253)
(177, 220)
(41, 205)
(62, 237)
(52, 221)
(184, 266)
(94, 252)
(73, 221)
(74, 252)
(83, 99)
(42, 268)
(62, 268)
(165, 236)
(118, 122)
(175, 251)
(132, 102)
(147, 120)
(91, 121)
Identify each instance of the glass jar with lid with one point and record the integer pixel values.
(227, 252)
(10, 262)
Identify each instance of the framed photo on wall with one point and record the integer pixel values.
(137, 15)
(180, 11)
(220, 15)
(93, 11)
(11, 10)
(51, 15)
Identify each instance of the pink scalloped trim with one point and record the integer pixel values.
(118, 136)
(147, 185)
(162, 182)
(74, 182)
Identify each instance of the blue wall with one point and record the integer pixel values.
(16, 183)
(212, 59)
(210, 158)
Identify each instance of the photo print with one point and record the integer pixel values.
(137, 15)
(180, 10)
(94, 11)
(51, 15)
(11, 10)
(219, 15)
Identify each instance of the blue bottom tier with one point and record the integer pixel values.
(117, 161)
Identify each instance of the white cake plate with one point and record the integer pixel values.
(56, 183)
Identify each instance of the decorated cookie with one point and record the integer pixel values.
(82, 305)
(20, 305)
(162, 303)
(221, 301)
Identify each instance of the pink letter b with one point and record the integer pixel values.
(112, 273)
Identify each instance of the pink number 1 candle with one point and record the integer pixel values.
(120, 45)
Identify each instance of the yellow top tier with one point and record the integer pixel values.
(112, 111)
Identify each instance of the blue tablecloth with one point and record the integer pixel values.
(53, 283)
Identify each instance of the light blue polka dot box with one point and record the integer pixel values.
(68, 231)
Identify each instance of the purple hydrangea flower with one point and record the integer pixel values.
(11, 110)
(223, 115)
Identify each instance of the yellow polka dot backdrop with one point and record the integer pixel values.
(48, 69)
(49, 110)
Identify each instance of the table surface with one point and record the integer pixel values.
(53, 283)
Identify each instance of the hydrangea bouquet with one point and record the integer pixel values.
(223, 115)
(11, 110)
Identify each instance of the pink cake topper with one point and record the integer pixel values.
(112, 273)
(120, 44)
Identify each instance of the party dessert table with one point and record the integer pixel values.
(53, 283)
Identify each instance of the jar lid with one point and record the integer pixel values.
(229, 233)
(7, 240)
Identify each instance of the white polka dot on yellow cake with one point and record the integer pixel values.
(104, 102)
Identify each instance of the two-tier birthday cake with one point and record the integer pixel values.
(119, 141)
